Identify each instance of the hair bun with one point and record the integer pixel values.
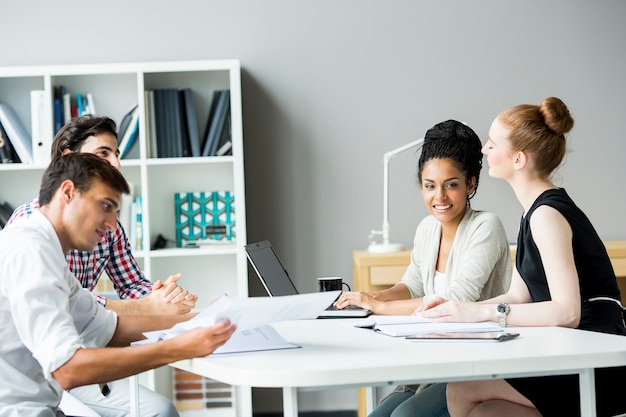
(556, 115)
(456, 131)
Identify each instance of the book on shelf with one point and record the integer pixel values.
(125, 209)
(6, 210)
(175, 123)
(225, 145)
(151, 146)
(57, 109)
(211, 116)
(163, 132)
(16, 133)
(172, 124)
(226, 149)
(68, 111)
(85, 104)
(127, 133)
(7, 153)
(190, 122)
(138, 224)
(91, 104)
(41, 134)
(168, 130)
(205, 218)
(135, 229)
(80, 104)
(220, 107)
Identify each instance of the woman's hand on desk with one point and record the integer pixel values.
(359, 298)
(429, 301)
(441, 310)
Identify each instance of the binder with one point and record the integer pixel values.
(217, 122)
(42, 136)
(7, 153)
(225, 146)
(190, 121)
(17, 134)
(128, 130)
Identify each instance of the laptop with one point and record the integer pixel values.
(277, 282)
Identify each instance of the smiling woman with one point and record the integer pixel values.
(458, 252)
(562, 277)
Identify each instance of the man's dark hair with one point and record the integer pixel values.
(82, 169)
(78, 130)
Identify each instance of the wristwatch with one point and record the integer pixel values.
(502, 309)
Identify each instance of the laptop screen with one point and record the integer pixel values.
(273, 275)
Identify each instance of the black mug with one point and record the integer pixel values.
(331, 284)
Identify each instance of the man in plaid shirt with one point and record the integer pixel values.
(138, 296)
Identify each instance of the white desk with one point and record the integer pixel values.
(336, 354)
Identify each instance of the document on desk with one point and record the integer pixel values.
(402, 326)
(255, 339)
(250, 313)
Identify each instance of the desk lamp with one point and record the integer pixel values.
(385, 246)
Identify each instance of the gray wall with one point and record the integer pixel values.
(329, 86)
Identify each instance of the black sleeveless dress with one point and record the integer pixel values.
(559, 395)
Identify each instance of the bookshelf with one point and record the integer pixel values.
(209, 270)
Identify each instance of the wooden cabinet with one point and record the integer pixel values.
(378, 271)
(208, 271)
(375, 272)
(617, 253)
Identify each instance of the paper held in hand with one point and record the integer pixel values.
(252, 317)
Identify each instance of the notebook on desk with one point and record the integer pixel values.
(277, 282)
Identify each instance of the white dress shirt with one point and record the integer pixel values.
(45, 317)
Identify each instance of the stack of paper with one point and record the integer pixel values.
(252, 317)
(402, 326)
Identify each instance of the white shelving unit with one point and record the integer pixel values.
(207, 271)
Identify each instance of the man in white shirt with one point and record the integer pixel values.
(54, 334)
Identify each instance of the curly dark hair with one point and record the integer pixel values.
(456, 141)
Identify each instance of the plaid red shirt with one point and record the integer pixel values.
(112, 255)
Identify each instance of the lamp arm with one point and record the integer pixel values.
(394, 152)
(386, 158)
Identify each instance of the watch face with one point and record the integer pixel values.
(503, 308)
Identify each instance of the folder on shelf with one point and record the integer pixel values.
(165, 122)
(176, 123)
(225, 146)
(151, 141)
(220, 107)
(128, 131)
(67, 107)
(80, 104)
(42, 136)
(7, 153)
(16, 133)
(190, 122)
(91, 104)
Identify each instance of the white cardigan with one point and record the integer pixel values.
(479, 263)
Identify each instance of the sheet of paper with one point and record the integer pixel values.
(256, 339)
(71, 406)
(248, 313)
(402, 330)
(377, 320)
